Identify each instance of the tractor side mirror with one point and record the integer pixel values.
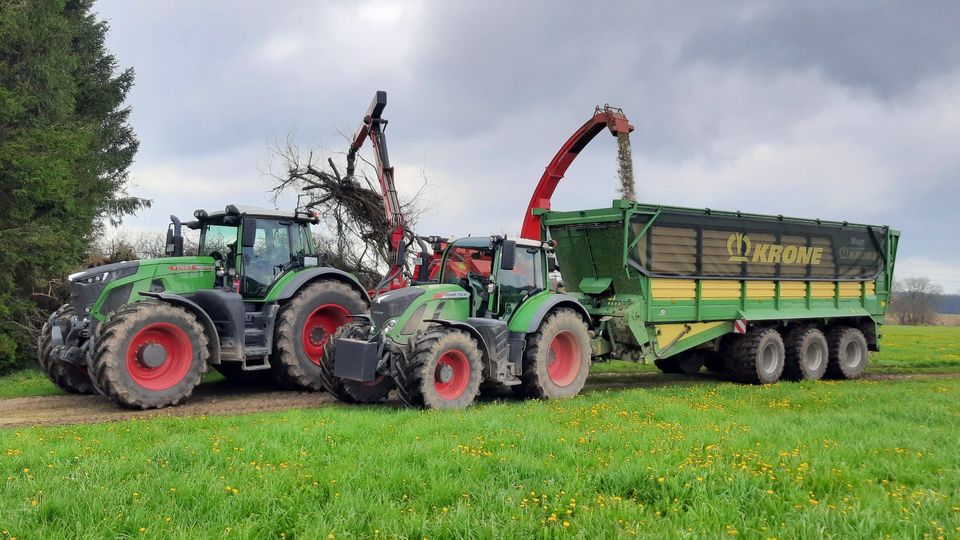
(249, 233)
(552, 265)
(508, 255)
(168, 245)
(174, 243)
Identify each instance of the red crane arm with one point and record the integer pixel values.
(605, 117)
(372, 128)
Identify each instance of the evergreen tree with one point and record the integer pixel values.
(65, 149)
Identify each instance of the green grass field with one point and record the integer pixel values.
(841, 459)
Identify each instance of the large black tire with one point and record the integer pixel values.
(757, 357)
(349, 390)
(149, 355)
(713, 361)
(71, 378)
(443, 371)
(848, 353)
(685, 363)
(556, 361)
(303, 327)
(807, 352)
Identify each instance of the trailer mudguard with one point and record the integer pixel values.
(527, 318)
(285, 288)
(211, 330)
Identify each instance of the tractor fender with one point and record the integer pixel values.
(530, 314)
(468, 328)
(213, 339)
(313, 274)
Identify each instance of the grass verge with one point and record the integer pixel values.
(843, 459)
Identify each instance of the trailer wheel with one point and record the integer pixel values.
(149, 355)
(71, 378)
(556, 361)
(443, 371)
(305, 325)
(713, 361)
(757, 357)
(348, 390)
(807, 354)
(848, 353)
(685, 363)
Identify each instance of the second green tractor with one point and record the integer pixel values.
(489, 320)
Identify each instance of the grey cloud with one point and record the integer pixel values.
(885, 47)
(729, 99)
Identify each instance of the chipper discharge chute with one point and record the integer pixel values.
(759, 296)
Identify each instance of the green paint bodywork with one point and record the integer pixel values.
(592, 249)
(177, 275)
(429, 305)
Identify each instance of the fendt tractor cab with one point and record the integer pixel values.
(490, 318)
(255, 298)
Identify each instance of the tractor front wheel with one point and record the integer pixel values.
(304, 326)
(149, 355)
(70, 377)
(556, 361)
(443, 371)
(349, 390)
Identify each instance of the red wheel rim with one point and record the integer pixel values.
(563, 360)
(452, 374)
(319, 326)
(159, 356)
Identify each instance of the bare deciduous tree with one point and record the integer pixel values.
(354, 232)
(914, 300)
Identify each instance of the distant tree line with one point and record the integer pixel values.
(917, 300)
(65, 149)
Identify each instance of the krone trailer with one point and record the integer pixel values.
(761, 297)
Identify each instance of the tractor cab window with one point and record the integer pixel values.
(219, 241)
(469, 267)
(461, 262)
(275, 246)
(524, 279)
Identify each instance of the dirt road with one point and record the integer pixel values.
(223, 399)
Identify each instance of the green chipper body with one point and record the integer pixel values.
(660, 280)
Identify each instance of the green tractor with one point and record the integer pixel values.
(490, 319)
(255, 300)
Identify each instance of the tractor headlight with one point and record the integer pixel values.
(389, 325)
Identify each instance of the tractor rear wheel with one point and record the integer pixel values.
(757, 357)
(304, 326)
(556, 361)
(443, 371)
(686, 363)
(349, 390)
(807, 354)
(71, 378)
(149, 355)
(848, 353)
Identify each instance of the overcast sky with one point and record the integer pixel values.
(838, 110)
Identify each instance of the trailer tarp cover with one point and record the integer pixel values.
(690, 244)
